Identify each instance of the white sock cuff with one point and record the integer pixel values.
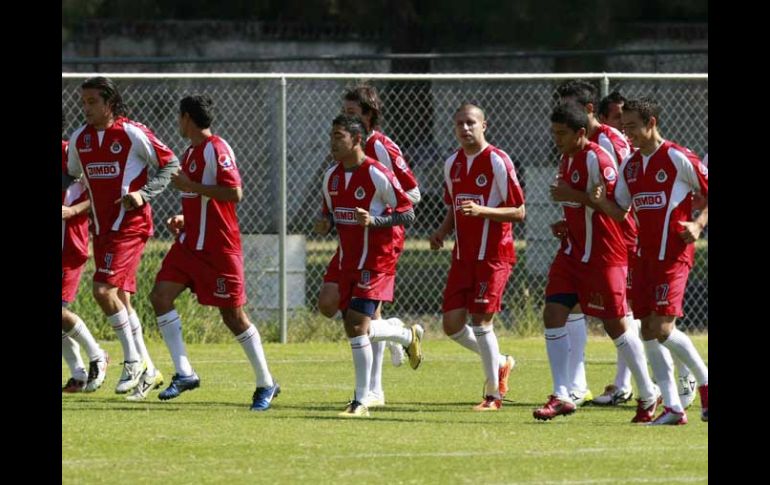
(460, 334)
(118, 320)
(247, 334)
(621, 340)
(359, 342)
(555, 333)
(167, 318)
(481, 330)
(133, 320)
(574, 317)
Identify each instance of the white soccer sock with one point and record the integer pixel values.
(70, 351)
(380, 330)
(83, 336)
(490, 357)
(119, 323)
(680, 345)
(251, 342)
(557, 346)
(170, 326)
(136, 331)
(577, 334)
(663, 370)
(623, 375)
(362, 363)
(630, 346)
(467, 339)
(375, 380)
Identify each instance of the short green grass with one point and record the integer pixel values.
(426, 434)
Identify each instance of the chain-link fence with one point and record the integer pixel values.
(418, 116)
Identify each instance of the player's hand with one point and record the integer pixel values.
(598, 194)
(362, 217)
(691, 231)
(322, 226)
(67, 212)
(560, 191)
(131, 201)
(436, 241)
(175, 224)
(471, 209)
(181, 181)
(559, 229)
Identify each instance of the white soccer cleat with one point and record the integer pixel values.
(129, 378)
(374, 400)
(687, 385)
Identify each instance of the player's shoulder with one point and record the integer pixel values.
(679, 153)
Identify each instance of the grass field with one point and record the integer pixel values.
(426, 434)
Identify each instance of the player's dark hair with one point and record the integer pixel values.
(367, 98)
(571, 114)
(583, 92)
(646, 107)
(109, 93)
(352, 124)
(199, 107)
(613, 97)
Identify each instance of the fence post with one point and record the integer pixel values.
(283, 209)
(605, 86)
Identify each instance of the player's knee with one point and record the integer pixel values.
(103, 294)
(67, 319)
(328, 302)
(327, 308)
(162, 302)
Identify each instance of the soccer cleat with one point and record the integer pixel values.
(179, 384)
(97, 371)
(503, 373)
(554, 407)
(669, 417)
(397, 355)
(374, 400)
(581, 399)
(490, 403)
(704, 402)
(263, 396)
(687, 385)
(73, 385)
(612, 396)
(414, 350)
(146, 384)
(129, 378)
(355, 409)
(645, 410)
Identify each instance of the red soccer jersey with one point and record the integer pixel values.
(210, 224)
(374, 188)
(659, 186)
(490, 180)
(115, 162)
(593, 236)
(74, 231)
(381, 148)
(616, 144)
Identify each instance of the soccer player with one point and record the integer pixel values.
(365, 201)
(207, 256)
(610, 108)
(364, 101)
(113, 153)
(483, 199)
(74, 253)
(591, 266)
(658, 180)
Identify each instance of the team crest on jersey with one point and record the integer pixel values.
(335, 185)
(575, 177)
(661, 176)
(193, 166)
(481, 180)
(609, 173)
(400, 163)
(632, 171)
(360, 193)
(116, 147)
(225, 162)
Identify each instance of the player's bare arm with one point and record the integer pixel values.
(559, 229)
(446, 227)
(182, 182)
(598, 196)
(692, 230)
(497, 214)
(322, 226)
(68, 212)
(175, 223)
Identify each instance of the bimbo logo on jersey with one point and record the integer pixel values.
(343, 215)
(105, 170)
(479, 199)
(649, 200)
